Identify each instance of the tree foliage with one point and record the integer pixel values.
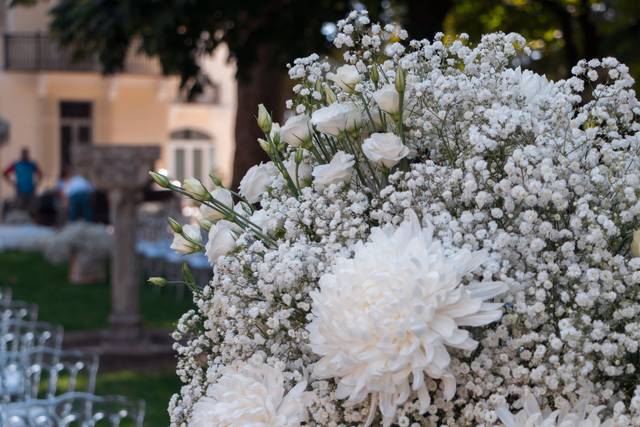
(560, 31)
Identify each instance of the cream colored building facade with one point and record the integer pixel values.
(52, 103)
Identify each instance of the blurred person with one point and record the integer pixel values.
(24, 175)
(78, 194)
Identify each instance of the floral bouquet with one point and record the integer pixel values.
(439, 239)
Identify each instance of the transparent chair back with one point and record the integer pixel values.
(18, 310)
(42, 373)
(5, 295)
(74, 409)
(17, 335)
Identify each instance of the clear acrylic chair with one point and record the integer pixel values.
(18, 310)
(42, 373)
(5, 295)
(19, 335)
(74, 409)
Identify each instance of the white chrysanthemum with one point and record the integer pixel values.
(251, 395)
(382, 320)
(531, 86)
(532, 416)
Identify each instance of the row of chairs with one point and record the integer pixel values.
(42, 385)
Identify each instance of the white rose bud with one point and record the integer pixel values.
(296, 131)
(339, 169)
(194, 187)
(346, 77)
(274, 135)
(384, 149)
(223, 196)
(329, 94)
(400, 79)
(255, 182)
(336, 118)
(184, 246)
(635, 244)
(221, 239)
(264, 119)
(388, 99)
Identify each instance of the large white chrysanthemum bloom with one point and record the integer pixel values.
(531, 86)
(532, 416)
(251, 395)
(382, 320)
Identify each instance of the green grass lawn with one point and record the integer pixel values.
(78, 307)
(86, 307)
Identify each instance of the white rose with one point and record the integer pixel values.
(263, 220)
(255, 182)
(221, 239)
(303, 169)
(337, 118)
(195, 187)
(346, 77)
(223, 196)
(388, 99)
(295, 131)
(384, 149)
(184, 246)
(338, 170)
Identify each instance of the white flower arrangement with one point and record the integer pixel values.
(483, 247)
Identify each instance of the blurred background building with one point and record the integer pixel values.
(52, 101)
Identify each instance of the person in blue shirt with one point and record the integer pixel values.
(24, 175)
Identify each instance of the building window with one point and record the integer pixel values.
(76, 127)
(210, 94)
(191, 154)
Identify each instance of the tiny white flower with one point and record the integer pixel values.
(255, 182)
(296, 130)
(221, 239)
(346, 77)
(336, 118)
(184, 246)
(384, 149)
(223, 196)
(339, 169)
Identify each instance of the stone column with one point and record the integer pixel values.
(123, 172)
(125, 319)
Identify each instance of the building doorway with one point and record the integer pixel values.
(76, 127)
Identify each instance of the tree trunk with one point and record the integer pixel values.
(261, 83)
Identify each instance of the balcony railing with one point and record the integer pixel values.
(40, 52)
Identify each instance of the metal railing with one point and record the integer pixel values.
(40, 52)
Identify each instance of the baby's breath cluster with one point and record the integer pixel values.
(438, 239)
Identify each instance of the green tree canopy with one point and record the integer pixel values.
(560, 31)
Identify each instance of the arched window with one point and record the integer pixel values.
(191, 154)
(189, 134)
